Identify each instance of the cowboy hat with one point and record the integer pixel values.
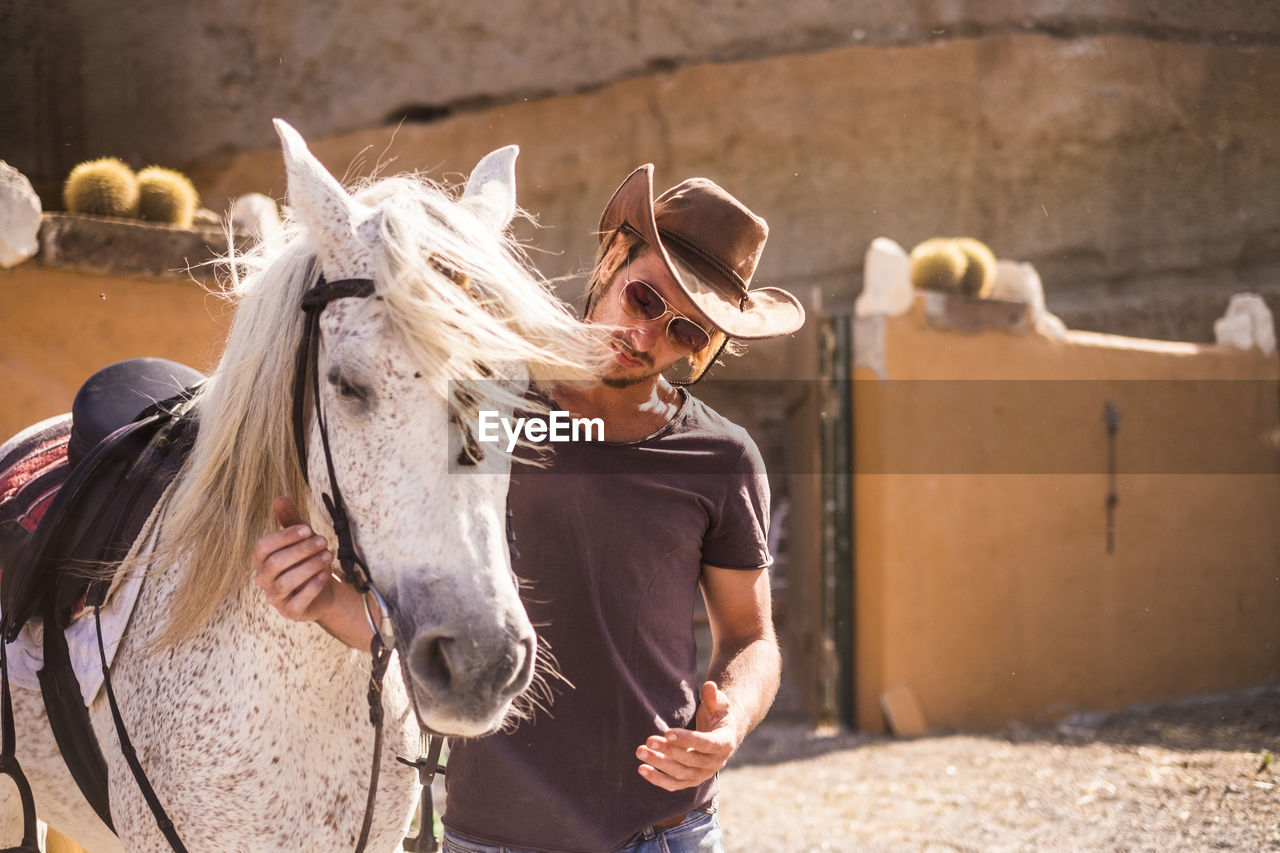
(710, 243)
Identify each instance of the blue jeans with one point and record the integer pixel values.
(699, 832)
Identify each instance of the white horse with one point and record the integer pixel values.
(254, 730)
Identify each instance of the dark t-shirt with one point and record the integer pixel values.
(611, 539)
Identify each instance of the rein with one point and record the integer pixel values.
(354, 570)
(9, 765)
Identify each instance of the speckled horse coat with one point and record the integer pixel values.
(254, 730)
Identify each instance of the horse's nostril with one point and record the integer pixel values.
(522, 668)
(499, 668)
(430, 660)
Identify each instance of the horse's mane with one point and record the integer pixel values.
(244, 455)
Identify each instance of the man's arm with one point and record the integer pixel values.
(741, 682)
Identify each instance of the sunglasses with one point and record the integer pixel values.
(641, 301)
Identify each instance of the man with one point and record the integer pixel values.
(614, 540)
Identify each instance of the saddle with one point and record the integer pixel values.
(77, 516)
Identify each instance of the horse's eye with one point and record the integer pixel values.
(347, 389)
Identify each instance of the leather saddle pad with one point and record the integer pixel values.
(64, 520)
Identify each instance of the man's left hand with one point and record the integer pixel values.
(681, 758)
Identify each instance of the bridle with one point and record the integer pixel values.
(354, 570)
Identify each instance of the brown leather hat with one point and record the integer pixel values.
(716, 241)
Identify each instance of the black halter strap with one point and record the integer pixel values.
(314, 301)
(354, 570)
(163, 821)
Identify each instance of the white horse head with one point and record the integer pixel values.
(452, 302)
(468, 647)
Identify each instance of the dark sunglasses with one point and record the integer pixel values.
(641, 301)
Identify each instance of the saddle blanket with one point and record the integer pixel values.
(33, 466)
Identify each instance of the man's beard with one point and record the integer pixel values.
(627, 381)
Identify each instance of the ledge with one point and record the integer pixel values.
(132, 249)
(955, 312)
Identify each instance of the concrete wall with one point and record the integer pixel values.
(984, 583)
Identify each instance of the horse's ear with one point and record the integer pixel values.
(343, 228)
(491, 189)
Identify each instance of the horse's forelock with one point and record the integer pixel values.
(462, 295)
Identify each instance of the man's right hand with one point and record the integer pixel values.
(294, 567)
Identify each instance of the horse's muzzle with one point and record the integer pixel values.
(467, 677)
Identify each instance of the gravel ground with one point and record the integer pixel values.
(1193, 775)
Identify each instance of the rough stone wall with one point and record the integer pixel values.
(177, 82)
(1123, 146)
(1138, 175)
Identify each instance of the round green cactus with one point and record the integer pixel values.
(936, 264)
(103, 187)
(166, 196)
(980, 267)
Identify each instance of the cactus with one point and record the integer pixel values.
(166, 196)
(955, 264)
(980, 267)
(937, 264)
(103, 187)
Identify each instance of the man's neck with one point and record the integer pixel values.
(629, 413)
